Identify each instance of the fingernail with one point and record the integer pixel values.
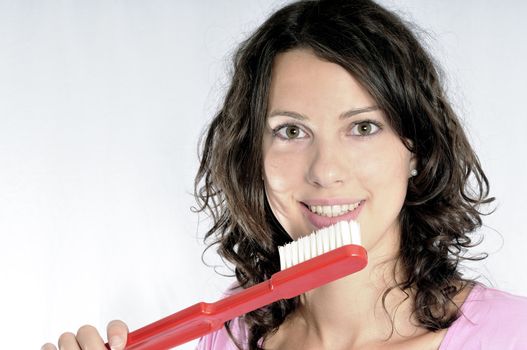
(115, 342)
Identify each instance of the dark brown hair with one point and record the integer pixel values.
(442, 202)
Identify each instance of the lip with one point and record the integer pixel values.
(319, 221)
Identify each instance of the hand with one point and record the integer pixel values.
(87, 337)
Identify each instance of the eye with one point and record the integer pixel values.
(365, 128)
(289, 132)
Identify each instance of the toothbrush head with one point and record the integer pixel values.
(319, 242)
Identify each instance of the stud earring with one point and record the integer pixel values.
(413, 172)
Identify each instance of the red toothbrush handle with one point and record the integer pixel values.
(179, 328)
(203, 318)
(199, 319)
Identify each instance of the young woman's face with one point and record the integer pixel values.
(329, 153)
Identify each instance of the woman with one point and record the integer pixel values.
(335, 111)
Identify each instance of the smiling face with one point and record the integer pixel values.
(330, 154)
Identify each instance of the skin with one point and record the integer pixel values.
(314, 155)
(330, 160)
(87, 337)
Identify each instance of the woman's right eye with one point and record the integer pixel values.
(289, 132)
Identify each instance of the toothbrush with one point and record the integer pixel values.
(307, 263)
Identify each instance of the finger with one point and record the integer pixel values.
(89, 338)
(67, 341)
(117, 332)
(48, 346)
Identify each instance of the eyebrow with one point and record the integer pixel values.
(343, 115)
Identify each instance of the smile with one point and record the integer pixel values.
(333, 210)
(323, 213)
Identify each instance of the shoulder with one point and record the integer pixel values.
(490, 319)
(488, 305)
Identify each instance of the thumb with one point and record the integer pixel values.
(117, 332)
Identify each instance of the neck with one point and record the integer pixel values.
(353, 306)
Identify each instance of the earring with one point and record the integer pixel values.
(413, 172)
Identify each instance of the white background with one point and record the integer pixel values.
(101, 107)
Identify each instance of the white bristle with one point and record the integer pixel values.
(301, 252)
(319, 242)
(313, 244)
(338, 228)
(325, 241)
(355, 232)
(332, 238)
(346, 234)
(282, 257)
(294, 255)
(320, 245)
(298, 252)
(288, 255)
(306, 248)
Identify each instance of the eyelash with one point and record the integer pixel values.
(371, 122)
(276, 131)
(279, 128)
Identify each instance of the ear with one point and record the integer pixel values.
(413, 162)
(412, 166)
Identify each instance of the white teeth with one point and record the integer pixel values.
(333, 210)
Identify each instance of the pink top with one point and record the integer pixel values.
(490, 320)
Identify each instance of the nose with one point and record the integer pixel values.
(327, 166)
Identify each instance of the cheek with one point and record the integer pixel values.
(385, 170)
(283, 175)
(385, 177)
(277, 183)
(282, 172)
(275, 179)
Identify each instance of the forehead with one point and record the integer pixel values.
(300, 80)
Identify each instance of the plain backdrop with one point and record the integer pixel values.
(101, 107)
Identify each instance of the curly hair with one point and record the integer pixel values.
(442, 205)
